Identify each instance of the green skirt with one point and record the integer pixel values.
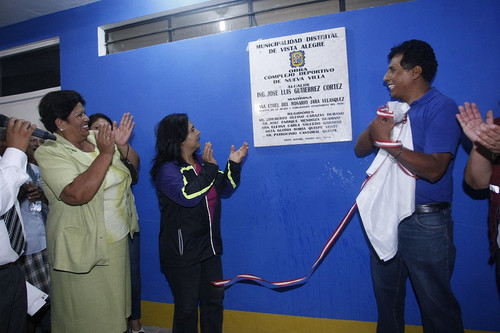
(98, 301)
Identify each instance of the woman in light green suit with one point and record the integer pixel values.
(91, 213)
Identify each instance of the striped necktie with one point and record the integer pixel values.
(31, 173)
(15, 230)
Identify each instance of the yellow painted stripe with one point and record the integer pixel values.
(161, 315)
(157, 314)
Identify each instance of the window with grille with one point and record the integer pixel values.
(214, 17)
(30, 68)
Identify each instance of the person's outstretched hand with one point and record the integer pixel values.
(238, 155)
(124, 131)
(477, 130)
(470, 119)
(208, 153)
(105, 139)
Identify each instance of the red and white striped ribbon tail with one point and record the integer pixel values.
(294, 282)
(393, 144)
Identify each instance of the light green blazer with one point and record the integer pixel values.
(76, 235)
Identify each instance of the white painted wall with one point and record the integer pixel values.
(24, 106)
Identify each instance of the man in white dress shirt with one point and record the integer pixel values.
(13, 301)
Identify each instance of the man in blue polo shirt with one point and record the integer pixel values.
(426, 252)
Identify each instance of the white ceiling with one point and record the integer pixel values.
(15, 11)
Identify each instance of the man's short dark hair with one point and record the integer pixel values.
(416, 53)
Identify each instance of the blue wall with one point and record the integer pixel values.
(291, 198)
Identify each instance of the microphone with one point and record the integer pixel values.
(39, 133)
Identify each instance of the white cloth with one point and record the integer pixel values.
(389, 195)
(36, 298)
(12, 176)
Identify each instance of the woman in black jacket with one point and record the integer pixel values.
(189, 188)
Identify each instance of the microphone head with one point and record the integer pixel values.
(39, 133)
(44, 134)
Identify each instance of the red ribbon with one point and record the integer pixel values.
(298, 281)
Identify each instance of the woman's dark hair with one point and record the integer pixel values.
(93, 118)
(171, 131)
(58, 104)
(416, 53)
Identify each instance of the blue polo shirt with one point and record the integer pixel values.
(435, 129)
